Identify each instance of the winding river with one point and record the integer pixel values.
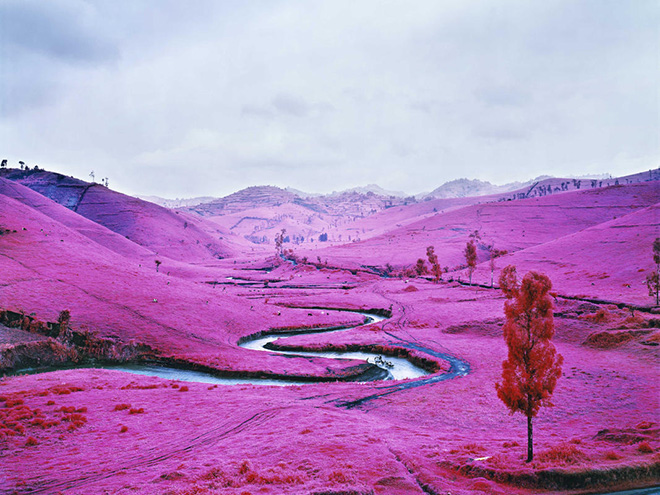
(394, 368)
(400, 369)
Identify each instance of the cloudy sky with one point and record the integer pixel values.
(184, 99)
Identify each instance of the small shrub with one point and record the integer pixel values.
(76, 421)
(123, 429)
(50, 403)
(644, 425)
(608, 340)
(612, 456)
(183, 389)
(563, 454)
(213, 473)
(338, 477)
(644, 447)
(75, 418)
(244, 467)
(20, 413)
(635, 321)
(135, 410)
(174, 475)
(31, 441)
(145, 387)
(470, 448)
(599, 316)
(4, 433)
(121, 407)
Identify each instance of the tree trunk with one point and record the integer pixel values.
(530, 441)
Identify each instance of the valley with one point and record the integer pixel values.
(188, 288)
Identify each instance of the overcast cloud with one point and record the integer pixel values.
(183, 99)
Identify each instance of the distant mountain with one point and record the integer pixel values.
(258, 213)
(176, 203)
(302, 194)
(371, 188)
(246, 199)
(351, 202)
(463, 188)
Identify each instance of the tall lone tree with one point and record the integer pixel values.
(532, 367)
(471, 257)
(436, 270)
(653, 279)
(158, 263)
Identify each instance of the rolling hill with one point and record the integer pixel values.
(164, 232)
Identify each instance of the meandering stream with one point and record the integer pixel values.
(400, 368)
(395, 368)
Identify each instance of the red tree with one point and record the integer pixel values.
(420, 267)
(653, 279)
(436, 270)
(471, 257)
(532, 367)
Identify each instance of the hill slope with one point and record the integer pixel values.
(97, 233)
(175, 235)
(522, 227)
(48, 266)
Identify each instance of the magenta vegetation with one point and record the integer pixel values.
(92, 278)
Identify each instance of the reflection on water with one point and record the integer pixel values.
(402, 368)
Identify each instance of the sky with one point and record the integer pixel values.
(203, 98)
